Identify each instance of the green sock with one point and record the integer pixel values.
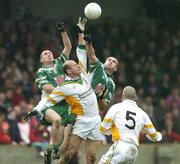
(55, 147)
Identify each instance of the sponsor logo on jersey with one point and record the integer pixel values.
(59, 79)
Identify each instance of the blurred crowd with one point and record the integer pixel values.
(149, 60)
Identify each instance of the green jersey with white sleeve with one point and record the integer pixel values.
(102, 84)
(53, 75)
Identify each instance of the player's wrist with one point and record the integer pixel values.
(88, 39)
(79, 30)
(101, 98)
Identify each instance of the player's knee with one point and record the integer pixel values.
(92, 158)
(68, 155)
(63, 159)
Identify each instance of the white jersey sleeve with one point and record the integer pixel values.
(150, 130)
(107, 123)
(56, 96)
(82, 58)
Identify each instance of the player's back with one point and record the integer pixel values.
(129, 120)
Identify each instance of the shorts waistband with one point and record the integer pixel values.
(89, 116)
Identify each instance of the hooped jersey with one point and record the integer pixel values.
(101, 83)
(77, 93)
(53, 76)
(124, 121)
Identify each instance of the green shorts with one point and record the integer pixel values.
(62, 109)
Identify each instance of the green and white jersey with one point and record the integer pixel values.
(82, 58)
(101, 83)
(98, 78)
(53, 75)
(109, 90)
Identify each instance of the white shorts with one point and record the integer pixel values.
(87, 127)
(119, 152)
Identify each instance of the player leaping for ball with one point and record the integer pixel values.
(47, 78)
(99, 74)
(78, 93)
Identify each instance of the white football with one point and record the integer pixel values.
(92, 11)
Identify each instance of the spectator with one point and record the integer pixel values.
(5, 137)
(160, 112)
(169, 134)
(24, 129)
(14, 130)
(173, 97)
(149, 61)
(39, 136)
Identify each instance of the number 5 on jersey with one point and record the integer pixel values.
(129, 117)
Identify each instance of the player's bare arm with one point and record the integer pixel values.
(103, 105)
(90, 50)
(48, 88)
(66, 40)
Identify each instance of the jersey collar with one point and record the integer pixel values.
(72, 79)
(129, 101)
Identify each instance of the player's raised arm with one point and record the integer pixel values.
(81, 48)
(66, 41)
(90, 50)
(81, 29)
(103, 105)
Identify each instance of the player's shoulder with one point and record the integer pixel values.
(65, 87)
(96, 64)
(40, 70)
(116, 107)
(62, 58)
(141, 112)
(70, 84)
(66, 83)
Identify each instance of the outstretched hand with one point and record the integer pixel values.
(60, 26)
(30, 114)
(81, 24)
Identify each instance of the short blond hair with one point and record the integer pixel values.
(129, 92)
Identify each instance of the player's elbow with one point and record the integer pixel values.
(104, 131)
(68, 46)
(67, 50)
(93, 59)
